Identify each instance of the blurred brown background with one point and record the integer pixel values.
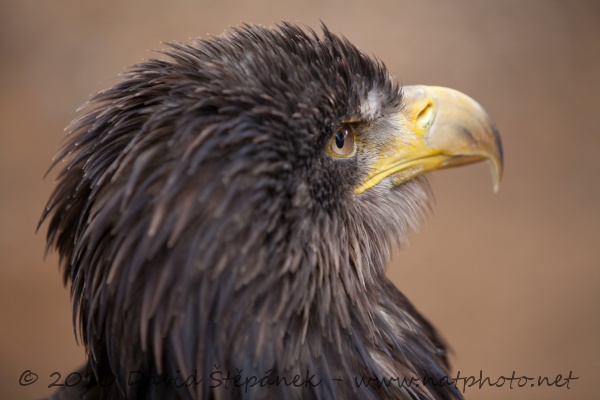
(511, 279)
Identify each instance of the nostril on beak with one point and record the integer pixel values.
(425, 117)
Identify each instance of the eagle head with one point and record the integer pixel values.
(231, 207)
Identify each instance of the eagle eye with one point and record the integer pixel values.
(342, 143)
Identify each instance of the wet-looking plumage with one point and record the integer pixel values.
(232, 207)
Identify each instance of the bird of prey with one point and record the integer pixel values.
(226, 213)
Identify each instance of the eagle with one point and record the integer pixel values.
(226, 212)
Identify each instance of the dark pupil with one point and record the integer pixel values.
(339, 139)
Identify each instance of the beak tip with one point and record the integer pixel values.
(496, 166)
(496, 187)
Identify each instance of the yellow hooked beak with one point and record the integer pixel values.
(437, 128)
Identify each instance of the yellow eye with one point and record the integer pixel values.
(342, 143)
